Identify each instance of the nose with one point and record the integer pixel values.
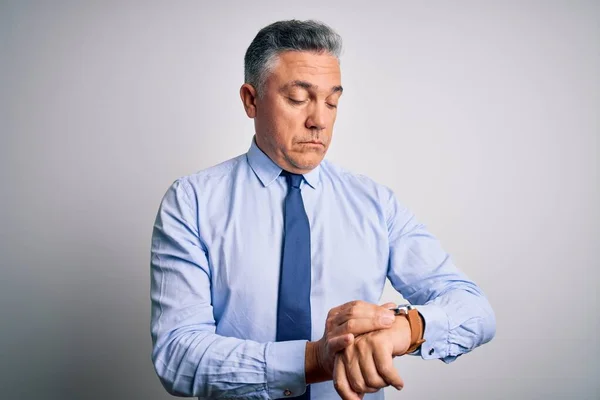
(317, 117)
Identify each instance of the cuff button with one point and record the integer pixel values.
(287, 393)
(431, 352)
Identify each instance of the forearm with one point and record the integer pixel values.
(203, 364)
(457, 315)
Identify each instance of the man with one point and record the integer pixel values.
(266, 269)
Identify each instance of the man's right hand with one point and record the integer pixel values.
(342, 325)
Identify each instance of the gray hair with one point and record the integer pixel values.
(283, 36)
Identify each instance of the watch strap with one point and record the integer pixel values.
(416, 329)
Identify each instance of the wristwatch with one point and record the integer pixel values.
(415, 323)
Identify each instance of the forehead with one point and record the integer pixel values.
(320, 69)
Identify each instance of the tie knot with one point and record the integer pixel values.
(293, 180)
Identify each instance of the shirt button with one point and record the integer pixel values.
(287, 392)
(431, 352)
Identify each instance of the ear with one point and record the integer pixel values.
(248, 96)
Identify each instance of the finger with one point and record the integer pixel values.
(358, 326)
(336, 310)
(339, 343)
(382, 317)
(340, 381)
(351, 305)
(359, 309)
(353, 361)
(389, 305)
(331, 320)
(385, 368)
(370, 373)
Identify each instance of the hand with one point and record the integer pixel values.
(366, 366)
(343, 324)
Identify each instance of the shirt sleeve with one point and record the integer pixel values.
(458, 316)
(189, 357)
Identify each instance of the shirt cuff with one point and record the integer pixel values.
(285, 368)
(436, 332)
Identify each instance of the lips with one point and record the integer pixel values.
(313, 142)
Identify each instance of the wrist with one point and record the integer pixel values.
(313, 367)
(416, 326)
(402, 335)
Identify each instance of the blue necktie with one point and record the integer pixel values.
(293, 308)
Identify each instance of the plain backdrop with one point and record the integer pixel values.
(482, 116)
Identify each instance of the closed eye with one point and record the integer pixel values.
(331, 105)
(296, 102)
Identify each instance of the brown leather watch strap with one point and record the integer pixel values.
(416, 330)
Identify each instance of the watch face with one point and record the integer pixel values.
(402, 309)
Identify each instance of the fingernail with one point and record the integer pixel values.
(386, 319)
(398, 387)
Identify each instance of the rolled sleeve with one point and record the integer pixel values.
(285, 368)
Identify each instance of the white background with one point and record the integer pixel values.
(483, 116)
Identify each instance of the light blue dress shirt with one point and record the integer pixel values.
(215, 262)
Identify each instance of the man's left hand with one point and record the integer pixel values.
(366, 366)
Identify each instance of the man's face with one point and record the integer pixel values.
(296, 112)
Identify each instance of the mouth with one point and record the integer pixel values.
(314, 142)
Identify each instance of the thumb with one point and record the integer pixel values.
(339, 343)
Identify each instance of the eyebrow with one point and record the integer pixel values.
(308, 86)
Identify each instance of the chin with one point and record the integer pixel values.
(311, 163)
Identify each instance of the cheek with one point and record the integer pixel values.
(333, 117)
(277, 121)
(289, 121)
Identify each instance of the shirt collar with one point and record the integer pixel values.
(267, 171)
